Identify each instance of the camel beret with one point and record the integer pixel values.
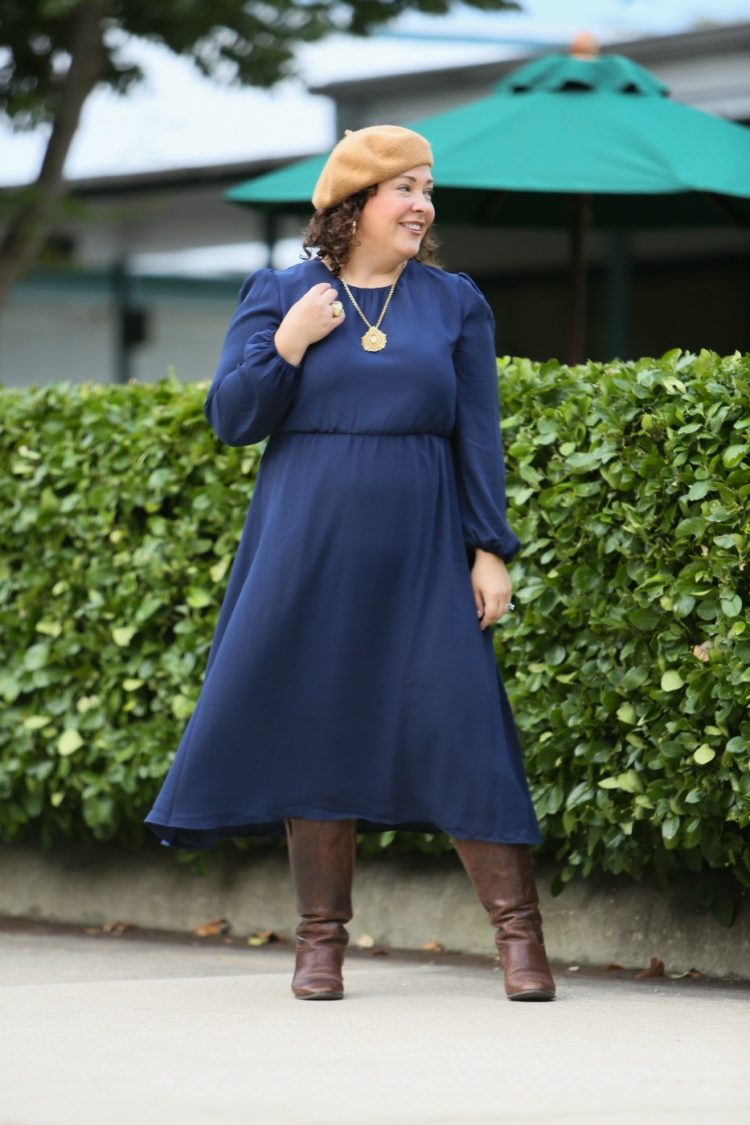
(368, 156)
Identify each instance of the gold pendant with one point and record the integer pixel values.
(374, 340)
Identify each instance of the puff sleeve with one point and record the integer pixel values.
(253, 385)
(476, 439)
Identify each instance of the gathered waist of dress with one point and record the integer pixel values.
(370, 433)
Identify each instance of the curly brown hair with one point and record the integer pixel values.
(329, 231)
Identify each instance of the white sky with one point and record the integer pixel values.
(177, 118)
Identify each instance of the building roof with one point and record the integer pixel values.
(685, 45)
(164, 179)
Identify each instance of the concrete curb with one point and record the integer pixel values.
(400, 902)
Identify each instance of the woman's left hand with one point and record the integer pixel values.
(492, 587)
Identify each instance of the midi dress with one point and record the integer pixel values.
(348, 676)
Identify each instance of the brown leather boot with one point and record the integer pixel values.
(503, 877)
(321, 857)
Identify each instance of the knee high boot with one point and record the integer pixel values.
(503, 877)
(321, 857)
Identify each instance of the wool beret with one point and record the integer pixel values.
(367, 156)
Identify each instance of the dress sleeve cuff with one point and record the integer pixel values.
(263, 341)
(506, 548)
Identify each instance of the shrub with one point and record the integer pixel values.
(120, 516)
(627, 660)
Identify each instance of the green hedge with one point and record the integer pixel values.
(627, 659)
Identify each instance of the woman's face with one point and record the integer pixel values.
(399, 213)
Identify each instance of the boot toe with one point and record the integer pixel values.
(532, 994)
(530, 988)
(319, 994)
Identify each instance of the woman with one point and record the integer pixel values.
(351, 681)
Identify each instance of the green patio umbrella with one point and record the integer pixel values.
(567, 141)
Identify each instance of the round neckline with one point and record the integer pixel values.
(359, 288)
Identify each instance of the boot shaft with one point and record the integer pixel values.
(502, 875)
(322, 857)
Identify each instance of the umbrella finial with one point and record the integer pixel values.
(584, 46)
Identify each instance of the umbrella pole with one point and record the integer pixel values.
(619, 295)
(577, 281)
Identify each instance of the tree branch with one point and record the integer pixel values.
(29, 229)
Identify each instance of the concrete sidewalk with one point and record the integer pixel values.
(139, 1030)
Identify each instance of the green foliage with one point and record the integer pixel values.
(627, 659)
(120, 516)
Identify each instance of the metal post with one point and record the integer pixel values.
(619, 295)
(120, 292)
(270, 235)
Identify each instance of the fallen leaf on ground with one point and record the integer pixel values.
(212, 928)
(612, 966)
(378, 952)
(91, 930)
(655, 969)
(117, 927)
(263, 937)
(688, 973)
(433, 947)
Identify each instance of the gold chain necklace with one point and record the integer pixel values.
(374, 340)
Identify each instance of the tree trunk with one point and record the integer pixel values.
(30, 227)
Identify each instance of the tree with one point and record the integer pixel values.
(53, 53)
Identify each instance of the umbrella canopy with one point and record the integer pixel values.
(562, 125)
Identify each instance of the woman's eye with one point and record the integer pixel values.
(427, 192)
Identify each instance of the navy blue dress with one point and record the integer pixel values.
(348, 675)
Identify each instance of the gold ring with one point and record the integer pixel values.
(336, 308)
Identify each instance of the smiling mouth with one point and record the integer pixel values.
(415, 228)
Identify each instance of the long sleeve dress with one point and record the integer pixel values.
(348, 676)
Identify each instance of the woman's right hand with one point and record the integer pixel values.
(309, 319)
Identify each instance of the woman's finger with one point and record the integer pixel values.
(490, 607)
(491, 611)
(320, 287)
